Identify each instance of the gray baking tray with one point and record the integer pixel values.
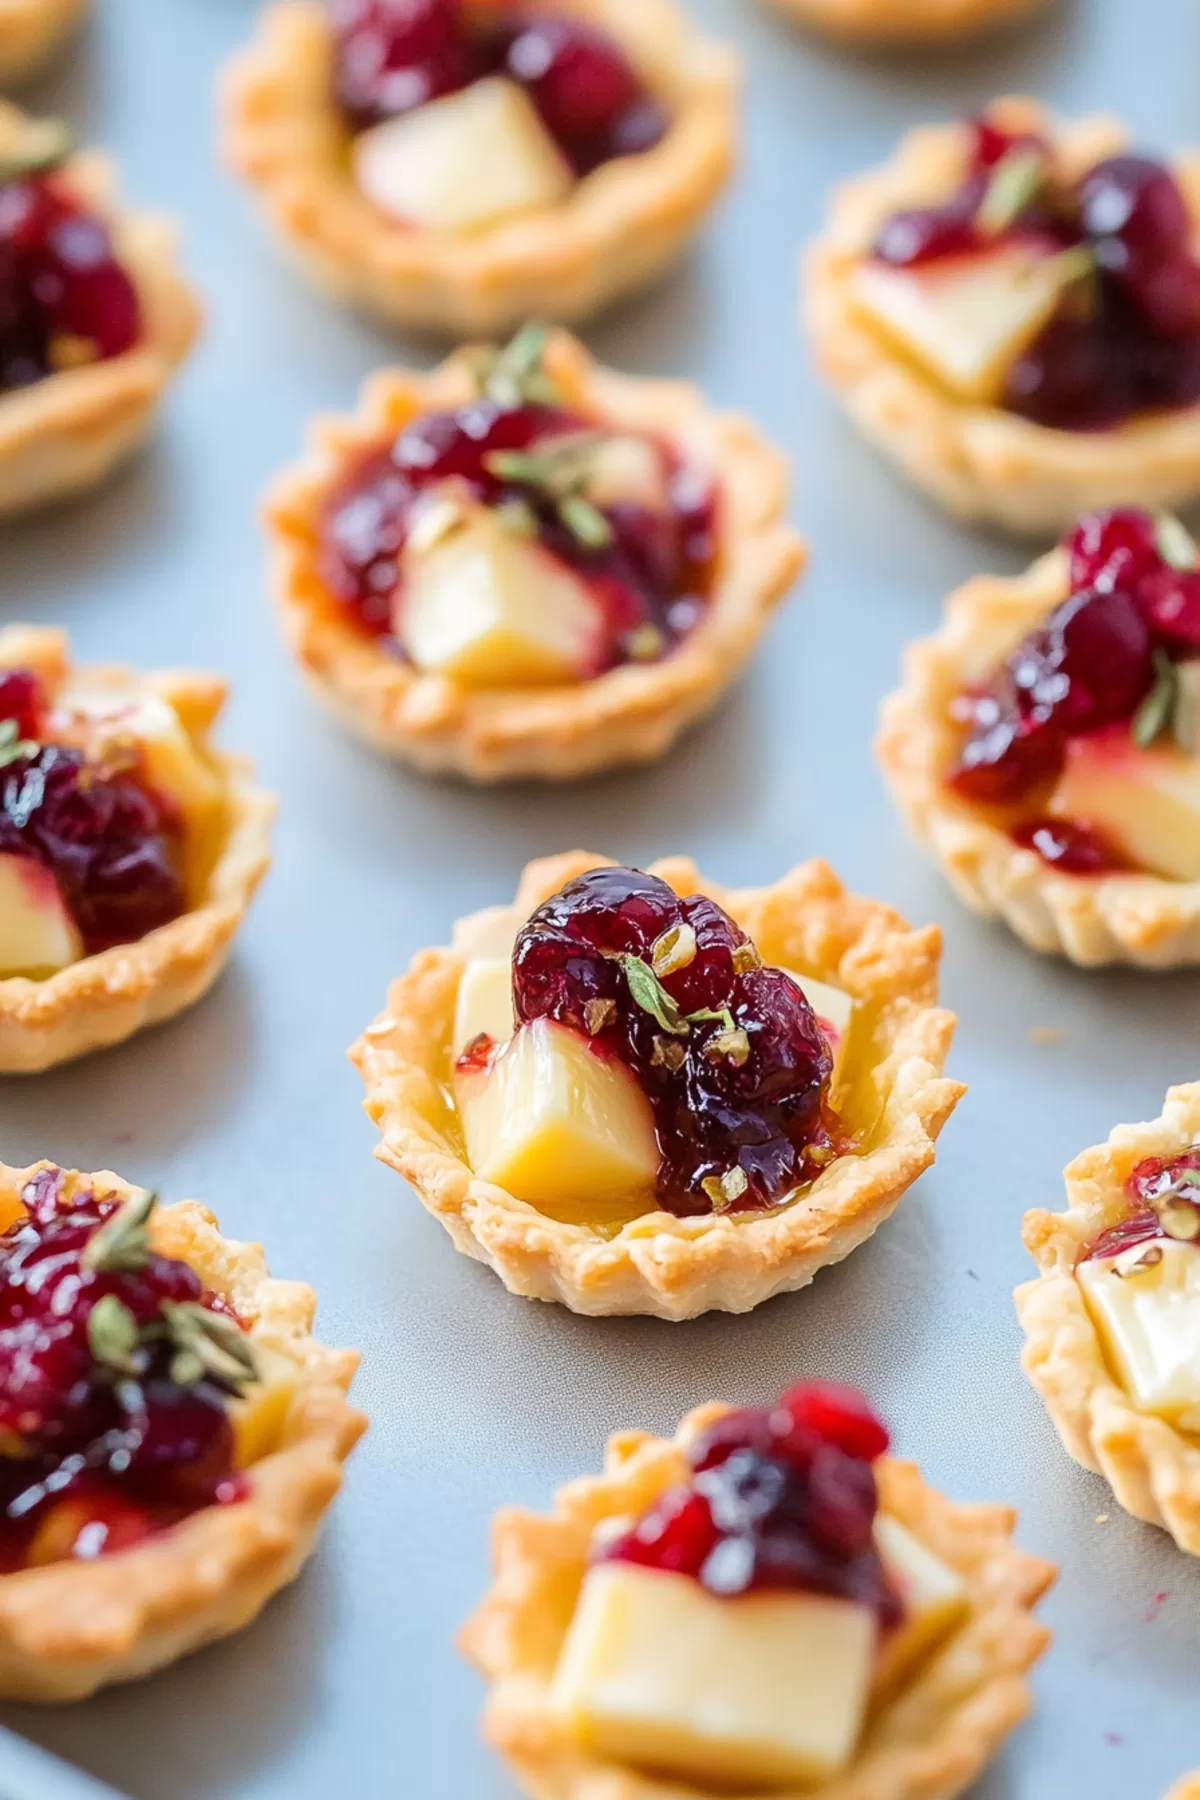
(350, 1682)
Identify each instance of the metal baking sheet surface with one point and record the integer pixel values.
(350, 1682)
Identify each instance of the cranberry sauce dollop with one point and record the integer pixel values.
(64, 297)
(650, 578)
(1109, 649)
(393, 55)
(109, 843)
(1126, 337)
(100, 1442)
(779, 1497)
(729, 1053)
(1164, 1202)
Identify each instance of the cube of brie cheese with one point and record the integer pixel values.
(1145, 1305)
(560, 1126)
(833, 1007)
(934, 1597)
(464, 162)
(38, 936)
(963, 319)
(1147, 802)
(492, 609)
(765, 1689)
(485, 1003)
(257, 1415)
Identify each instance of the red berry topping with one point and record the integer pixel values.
(92, 1385)
(393, 55)
(1113, 550)
(64, 297)
(779, 1498)
(729, 1054)
(1164, 1195)
(654, 571)
(1069, 846)
(589, 97)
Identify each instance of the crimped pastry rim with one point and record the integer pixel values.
(668, 1267)
(72, 1627)
(629, 714)
(31, 31)
(534, 1555)
(1153, 1469)
(65, 432)
(895, 23)
(979, 462)
(1139, 919)
(105, 998)
(617, 230)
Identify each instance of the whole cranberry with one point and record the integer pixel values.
(22, 699)
(1136, 201)
(1170, 599)
(1008, 753)
(677, 1534)
(393, 55)
(922, 233)
(841, 1500)
(1067, 845)
(839, 1414)
(748, 1428)
(1089, 666)
(579, 80)
(1113, 549)
(1075, 376)
(184, 1443)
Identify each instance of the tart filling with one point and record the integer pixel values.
(1113, 1321)
(750, 1608)
(614, 1095)
(516, 541)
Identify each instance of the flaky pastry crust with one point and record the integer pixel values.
(72, 1627)
(105, 998)
(1141, 919)
(670, 1267)
(617, 230)
(1186, 1788)
(31, 31)
(898, 22)
(980, 462)
(928, 1743)
(631, 713)
(66, 432)
(1153, 1469)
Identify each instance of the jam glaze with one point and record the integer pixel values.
(778, 1497)
(1164, 1203)
(649, 570)
(1105, 658)
(117, 1367)
(1125, 339)
(112, 845)
(729, 1053)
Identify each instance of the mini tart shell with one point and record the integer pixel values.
(1153, 1469)
(1186, 1788)
(619, 228)
(72, 1627)
(893, 23)
(1144, 920)
(630, 714)
(977, 461)
(66, 432)
(107, 997)
(928, 1743)
(670, 1267)
(31, 31)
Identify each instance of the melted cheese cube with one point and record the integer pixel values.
(485, 1003)
(492, 609)
(934, 1596)
(833, 1007)
(464, 162)
(1146, 801)
(767, 1688)
(963, 319)
(559, 1126)
(257, 1416)
(38, 936)
(1148, 1319)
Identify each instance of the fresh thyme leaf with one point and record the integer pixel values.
(122, 1244)
(746, 958)
(208, 1340)
(522, 466)
(113, 1335)
(585, 522)
(722, 1017)
(1185, 717)
(12, 745)
(1157, 711)
(515, 374)
(1014, 183)
(729, 1046)
(724, 1190)
(597, 1014)
(40, 146)
(673, 949)
(1175, 543)
(668, 1053)
(648, 992)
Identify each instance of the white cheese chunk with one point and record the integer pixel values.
(1145, 1304)
(834, 1009)
(934, 1597)
(484, 1002)
(37, 933)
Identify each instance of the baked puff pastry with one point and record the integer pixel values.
(458, 167)
(639, 1092)
(524, 564)
(130, 848)
(31, 31)
(892, 23)
(1044, 746)
(171, 1438)
(640, 1644)
(979, 308)
(99, 316)
(1112, 1320)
